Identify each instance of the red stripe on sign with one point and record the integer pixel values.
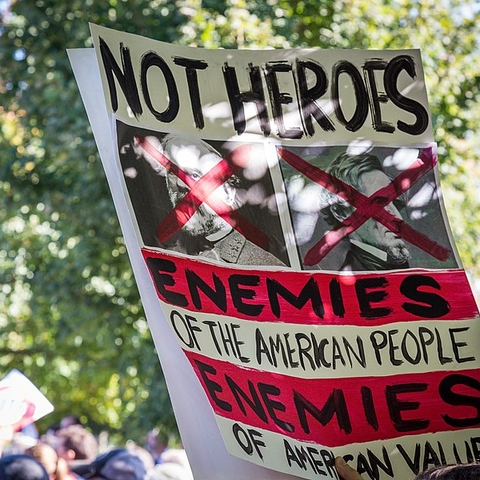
(311, 297)
(342, 411)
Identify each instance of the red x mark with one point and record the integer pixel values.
(201, 192)
(369, 207)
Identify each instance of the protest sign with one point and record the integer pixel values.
(21, 402)
(284, 219)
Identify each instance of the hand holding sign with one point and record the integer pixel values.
(345, 471)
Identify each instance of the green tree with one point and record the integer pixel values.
(70, 314)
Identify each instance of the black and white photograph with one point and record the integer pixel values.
(366, 209)
(214, 200)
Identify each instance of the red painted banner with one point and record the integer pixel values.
(341, 411)
(311, 297)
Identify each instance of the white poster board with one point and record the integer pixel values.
(21, 402)
(278, 209)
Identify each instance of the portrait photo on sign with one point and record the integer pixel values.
(210, 199)
(364, 208)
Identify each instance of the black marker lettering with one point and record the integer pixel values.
(361, 97)
(125, 78)
(309, 96)
(149, 60)
(191, 67)
(392, 72)
(238, 98)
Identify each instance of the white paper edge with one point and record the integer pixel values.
(200, 434)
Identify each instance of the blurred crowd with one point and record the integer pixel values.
(70, 451)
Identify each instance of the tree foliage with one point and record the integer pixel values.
(70, 314)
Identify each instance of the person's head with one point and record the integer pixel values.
(21, 467)
(46, 455)
(462, 471)
(76, 443)
(117, 464)
(156, 442)
(175, 455)
(467, 471)
(70, 420)
(196, 158)
(142, 453)
(365, 174)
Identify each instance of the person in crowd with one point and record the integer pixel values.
(47, 456)
(142, 453)
(468, 471)
(21, 467)
(205, 233)
(68, 420)
(117, 464)
(156, 443)
(13, 441)
(6, 436)
(167, 465)
(373, 245)
(175, 455)
(169, 471)
(76, 445)
(465, 471)
(56, 467)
